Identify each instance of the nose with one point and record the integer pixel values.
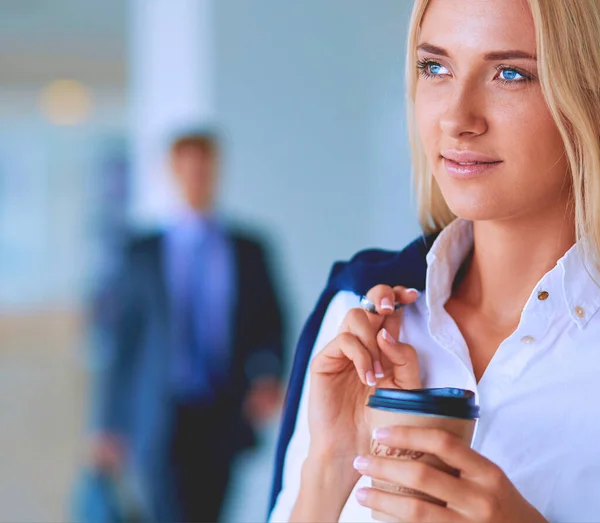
(465, 113)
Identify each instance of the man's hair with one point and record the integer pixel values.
(205, 141)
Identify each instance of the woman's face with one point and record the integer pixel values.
(485, 126)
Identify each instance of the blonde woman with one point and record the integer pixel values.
(505, 101)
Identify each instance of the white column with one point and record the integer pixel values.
(171, 52)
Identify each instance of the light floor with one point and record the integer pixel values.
(42, 406)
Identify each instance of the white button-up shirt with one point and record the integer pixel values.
(539, 396)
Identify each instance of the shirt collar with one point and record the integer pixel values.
(581, 292)
(190, 226)
(580, 285)
(444, 259)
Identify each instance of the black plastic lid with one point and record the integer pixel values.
(454, 403)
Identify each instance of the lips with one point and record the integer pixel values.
(473, 163)
(468, 157)
(468, 164)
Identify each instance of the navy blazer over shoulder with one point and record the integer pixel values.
(364, 271)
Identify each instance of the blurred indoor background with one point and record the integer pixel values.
(309, 98)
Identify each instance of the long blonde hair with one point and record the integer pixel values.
(568, 51)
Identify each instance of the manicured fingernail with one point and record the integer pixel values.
(361, 494)
(387, 336)
(361, 463)
(378, 369)
(387, 304)
(381, 434)
(371, 381)
(414, 291)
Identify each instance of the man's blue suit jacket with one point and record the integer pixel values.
(359, 275)
(133, 387)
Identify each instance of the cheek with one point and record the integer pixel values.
(544, 139)
(427, 117)
(535, 144)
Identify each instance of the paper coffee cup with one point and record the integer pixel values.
(450, 409)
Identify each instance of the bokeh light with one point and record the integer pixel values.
(66, 102)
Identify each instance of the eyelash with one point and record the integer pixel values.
(423, 65)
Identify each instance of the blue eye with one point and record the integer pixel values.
(431, 69)
(436, 69)
(511, 75)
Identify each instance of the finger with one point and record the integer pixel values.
(405, 296)
(393, 321)
(345, 350)
(404, 509)
(443, 444)
(383, 297)
(419, 476)
(404, 361)
(359, 323)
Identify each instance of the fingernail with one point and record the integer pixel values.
(361, 463)
(371, 381)
(378, 369)
(361, 494)
(381, 434)
(387, 304)
(387, 336)
(414, 291)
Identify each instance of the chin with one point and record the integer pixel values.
(475, 207)
(475, 215)
(476, 200)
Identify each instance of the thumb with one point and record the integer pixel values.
(376, 321)
(393, 322)
(404, 359)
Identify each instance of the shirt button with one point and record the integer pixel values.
(579, 311)
(542, 296)
(527, 339)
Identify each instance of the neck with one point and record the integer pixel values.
(204, 209)
(509, 259)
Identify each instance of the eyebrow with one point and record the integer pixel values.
(492, 55)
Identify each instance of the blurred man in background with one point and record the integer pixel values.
(196, 351)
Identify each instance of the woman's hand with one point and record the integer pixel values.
(365, 353)
(481, 494)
